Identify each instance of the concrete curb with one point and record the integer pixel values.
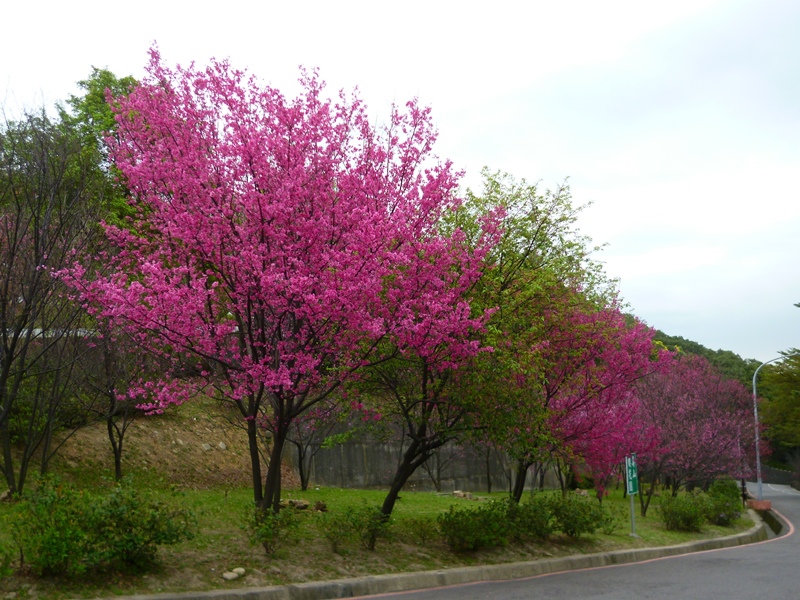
(421, 580)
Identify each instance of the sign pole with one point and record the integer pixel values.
(632, 479)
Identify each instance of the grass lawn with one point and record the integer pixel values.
(222, 543)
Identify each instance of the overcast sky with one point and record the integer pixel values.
(678, 121)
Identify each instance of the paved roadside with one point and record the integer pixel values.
(383, 584)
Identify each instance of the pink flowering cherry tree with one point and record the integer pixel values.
(277, 245)
(594, 412)
(702, 424)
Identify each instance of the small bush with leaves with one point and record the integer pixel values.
(127, 528)
(725, 502)
(367, 524)
(370, 525)
(51, 529)
(685, 512)
(422, 529)
(531, 520)
(576, 515)
(270, 529)
(466, 529)
(63, 531)
(6, 560)
(612, 518)
(336, 528)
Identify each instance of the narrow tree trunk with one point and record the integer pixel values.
(116, 448)
(519, 480)
(46, 444)
(272, 485)
(412, 459)
(8, 459)
(301, 465)
(255, 461)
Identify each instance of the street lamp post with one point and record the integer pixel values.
(755, 416)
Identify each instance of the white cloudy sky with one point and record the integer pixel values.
(679, 121)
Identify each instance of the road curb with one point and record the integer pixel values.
(421, 580)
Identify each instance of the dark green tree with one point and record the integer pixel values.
(731, 365)
(780, 410)
(540, 262)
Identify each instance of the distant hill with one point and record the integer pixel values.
(730, 364)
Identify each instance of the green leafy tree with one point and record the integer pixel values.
(92, 117)
(540, 264)
(780, 386)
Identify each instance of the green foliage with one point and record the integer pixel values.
(64, 531)
(91, 115)
(612, 519)
(338, 439)
(92, 111)
(336, 529)
(6, 559)
(731, 365)
(366, 523)
(685, 512)
(51, 530)
(422, 529)
(497, 522)
(725, 502)
(270, 529)
(466, 529)
(370, 525)
(575, 515)
(531, 520)
(127, 527)
(780, 412)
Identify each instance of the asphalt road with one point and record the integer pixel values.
(769, 569)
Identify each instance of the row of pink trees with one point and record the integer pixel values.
(286, 253)
(701, 425)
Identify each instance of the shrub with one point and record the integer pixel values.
(470, 529)
(612, 518)
(270, 529)
(422, 529)
(725, 502)
(575, 515)
(63, 531)
(369, 525)
(6, 558)
(532, 520)
(337, 530)
(686, 512)
(52, 529)
(127, 528)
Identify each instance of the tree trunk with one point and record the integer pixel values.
(272, 485)
(301, 465)
(519, 480)
(116, 448)
(8, 459)
(255, 461)
(416, 454)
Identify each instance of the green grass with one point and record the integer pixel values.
(222, 544)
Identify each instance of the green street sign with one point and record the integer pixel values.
(631, 475)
